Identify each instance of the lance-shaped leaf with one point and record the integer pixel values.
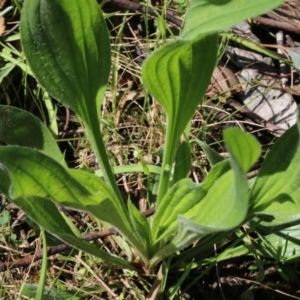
(276, 191)
(180, 199)
(226, 205)
(140, 227)
(210, 16)
(47, 215)
(212, 156)
(36, 135)
(67, 47)
(34, 174)
(177, 75)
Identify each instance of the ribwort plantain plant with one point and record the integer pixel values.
(67, 47)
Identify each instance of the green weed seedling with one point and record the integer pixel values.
(67, 47)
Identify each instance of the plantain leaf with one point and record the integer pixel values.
(282, 245)
(184, 198)
(183, 162)
(19, 127)
(46, 214)
(177, 75)
(242, 146)
(276, 191)
(34, 174)
(220, 203)
(225, 205)
(36, 135)
(210, 16)
(140, 226)
(66, 45)
(212, 156)
(5, 181)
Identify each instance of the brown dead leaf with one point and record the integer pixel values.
(2, 3)
(2, 25)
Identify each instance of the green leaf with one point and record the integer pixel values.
(212, 156)
(90, 181)
(294, 53)
(4, 217)
(66, 45)
(140, 226)
(184, 198)
(183, 162)
(5, 181)
(177, 75)
(222, 208)
(243, 147)
(32, 192)
(226, 202)
(220, 203)
(36, 175)
(19, 127)
(276, 191)
(283, 245)
(210, 16)
(30, 290)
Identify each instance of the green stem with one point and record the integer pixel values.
(43, 275)
(100, 151)
(168, 160)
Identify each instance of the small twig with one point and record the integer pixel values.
(26, 261)
(101, 282)
(10, 31)
(66, 126)
(156, 285)
(277, 24)
(265, 286)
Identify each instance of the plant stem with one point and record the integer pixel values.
(168, 160)
(43, 273)
(100, 151)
